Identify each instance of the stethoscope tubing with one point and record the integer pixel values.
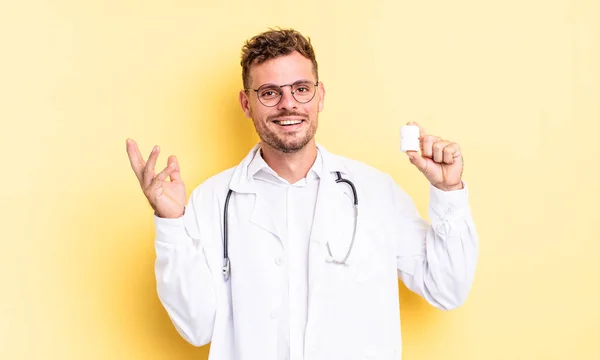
(226, 262)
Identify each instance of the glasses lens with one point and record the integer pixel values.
(304, 91)
(269, 95)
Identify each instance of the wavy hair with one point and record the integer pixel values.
(272, 44)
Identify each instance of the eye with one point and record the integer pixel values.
(303, 88)
(269, 93)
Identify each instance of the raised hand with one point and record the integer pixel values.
(441, 161)
(167, 198)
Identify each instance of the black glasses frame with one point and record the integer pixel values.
(281, 92)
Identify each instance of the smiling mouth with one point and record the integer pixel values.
(287, 122)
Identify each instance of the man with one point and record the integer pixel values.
(270, 259)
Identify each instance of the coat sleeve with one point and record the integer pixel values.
(183, 277)
(436, 260)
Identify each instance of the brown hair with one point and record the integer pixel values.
(272, 44)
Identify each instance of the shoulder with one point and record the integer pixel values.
(363, 171)
(375, 182)
(216, 184)
(380, 195)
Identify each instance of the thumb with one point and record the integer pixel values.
(417, 160)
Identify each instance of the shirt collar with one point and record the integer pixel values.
(259, 165)
(240, 180)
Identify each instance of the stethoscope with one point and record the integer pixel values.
(340, 179)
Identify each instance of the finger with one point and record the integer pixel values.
(149, 168)
(135, 158)
(417, 160)
(451, 152)
(422, 132)
(176, 174)
(162, 176)
(427, 145)
(438, 150)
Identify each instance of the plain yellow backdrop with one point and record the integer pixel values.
(515, 82)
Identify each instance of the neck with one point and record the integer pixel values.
(290, 166)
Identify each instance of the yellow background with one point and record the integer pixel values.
(515, 82)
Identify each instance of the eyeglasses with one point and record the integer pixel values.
(270, 95)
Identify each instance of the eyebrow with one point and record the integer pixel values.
(295, 82)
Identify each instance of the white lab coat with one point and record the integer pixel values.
(353, 310)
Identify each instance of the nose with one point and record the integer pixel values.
(287, 100)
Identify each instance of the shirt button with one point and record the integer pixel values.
(279, 261)
(273, 314)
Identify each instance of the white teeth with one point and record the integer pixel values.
(289, 122)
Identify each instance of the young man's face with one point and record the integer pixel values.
(290, 125)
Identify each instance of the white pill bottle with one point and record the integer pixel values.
(409, 138)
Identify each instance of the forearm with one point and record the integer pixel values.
(439, 264)
(184, 282)
(446, 271)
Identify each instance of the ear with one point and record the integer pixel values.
(245, 103)
(321, 93)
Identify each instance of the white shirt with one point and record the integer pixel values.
(292, 207)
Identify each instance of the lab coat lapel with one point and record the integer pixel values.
(241, 183)
(330, 197)
(262, 216)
